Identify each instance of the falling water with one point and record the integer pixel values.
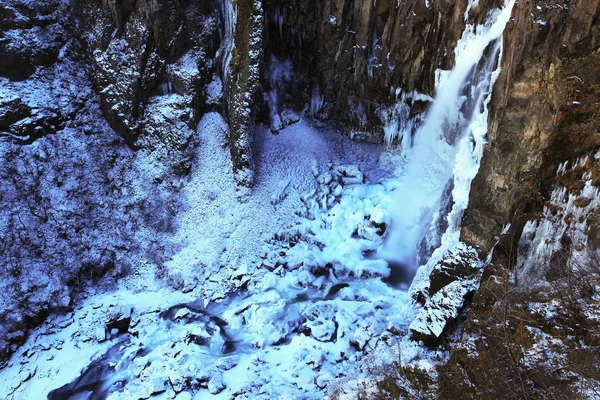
(447, 148)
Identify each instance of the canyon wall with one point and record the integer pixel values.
(362, 57)
(544, 112)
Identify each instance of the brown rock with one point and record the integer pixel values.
(544, 112)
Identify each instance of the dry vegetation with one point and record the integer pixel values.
(518, 342)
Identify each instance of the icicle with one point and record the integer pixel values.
(472, 3)
(230, 13)
(279, 21)
(316, 102)
(165, 88)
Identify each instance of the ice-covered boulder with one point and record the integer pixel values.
(452, 277)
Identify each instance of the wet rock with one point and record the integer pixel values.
(119, 322)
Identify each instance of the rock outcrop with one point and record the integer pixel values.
(453, 278)
(31, 36)
(544, 112)
(241, 72)
(135, 50)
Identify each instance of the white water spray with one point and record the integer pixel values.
(449, 144)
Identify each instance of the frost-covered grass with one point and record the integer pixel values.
(527, 343)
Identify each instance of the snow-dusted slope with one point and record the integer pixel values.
(279, 297)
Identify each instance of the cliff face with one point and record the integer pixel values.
(141, 50)
(241, 73)
(532, 203)
(544, 112)
(357, 59)
(20, 53)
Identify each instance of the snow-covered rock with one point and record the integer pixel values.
(442, 293)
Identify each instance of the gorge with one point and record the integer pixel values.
(299, 199)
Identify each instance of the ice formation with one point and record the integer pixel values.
(449, 145)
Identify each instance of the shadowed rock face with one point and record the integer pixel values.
(21, 26)
(131, 45)
(357, 53)
(241, 78)
(544, 112)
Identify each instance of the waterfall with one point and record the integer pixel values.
(447, 148)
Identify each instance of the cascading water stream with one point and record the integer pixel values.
(447, 148)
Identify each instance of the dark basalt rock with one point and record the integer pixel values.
(24, 123)
(131, 46)
(11, 111)
(357, 53)
(241, 86)
(451, 269)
